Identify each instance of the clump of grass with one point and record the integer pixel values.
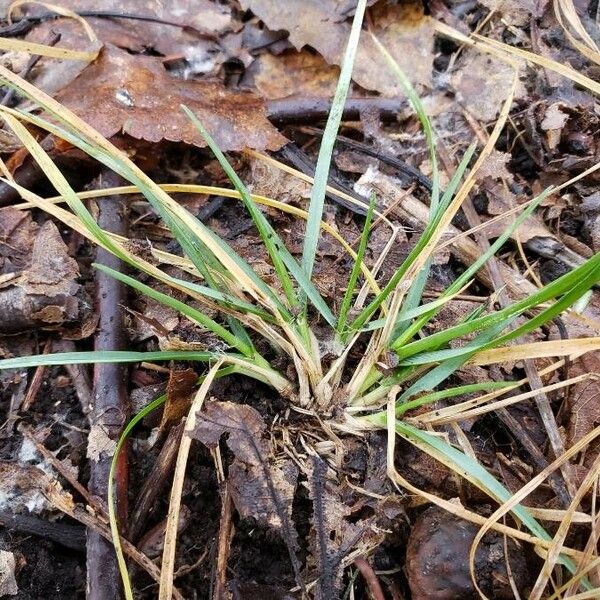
(392, 324)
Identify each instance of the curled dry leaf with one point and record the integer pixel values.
(403, 29)
(259, 487)
(135, 95)
(179, 396)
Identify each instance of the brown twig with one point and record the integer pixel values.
(299, 109)
(366, 570)
(69, 536)
(224, 544)
(36, 382)
(109, 412)
(155, 482)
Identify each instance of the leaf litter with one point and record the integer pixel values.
(282, 488)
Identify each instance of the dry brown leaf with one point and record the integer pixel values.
(179, 396)
(52, 270)
(482, 83)
(100, 444)
(135, 95)
(138, 36)
(584, 399)
(494, 166)
(402, 29)
(259, 488)
(295, 73)
(46, 294)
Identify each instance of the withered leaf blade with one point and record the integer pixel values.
(179, 394)
(135, 95)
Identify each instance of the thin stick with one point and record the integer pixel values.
(224, 545)
(109, 412)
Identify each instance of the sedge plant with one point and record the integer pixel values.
(401, 367)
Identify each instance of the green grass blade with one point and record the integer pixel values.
(147, 188)
(588, 272)
(440, 373)
(321, 178)
(468, 467)
(362, 247)
(427, 234)
(105, 356)
(460, 281)
(112, 509)
(264, 228)
(418, 107)
(193, 314)
(283, 261)
(471, 388)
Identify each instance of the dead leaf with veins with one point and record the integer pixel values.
(136, 96)
(402, 28)
(260, 488)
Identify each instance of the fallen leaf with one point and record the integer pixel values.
(166, 38)
(333, 536)
(295, 73)
(494, 166)
(259, 487)
(479, 72)
(52, 270)
(583, 398)
(46, 294)
(99, 443)
(179, 396)
(402, 29)
(135, 95)
(554, 118)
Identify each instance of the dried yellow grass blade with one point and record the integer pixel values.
(53, 51)
(573, 347)
(229, 193)
(569, 20)
(505, 51)
(168, 557)
(519, 496)
(10, 44)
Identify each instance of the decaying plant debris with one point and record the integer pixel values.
(355, 356)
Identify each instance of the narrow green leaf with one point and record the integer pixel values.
(587, 272)
(193, 314)
(317, 196)
(362, 247)
(281, 257)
